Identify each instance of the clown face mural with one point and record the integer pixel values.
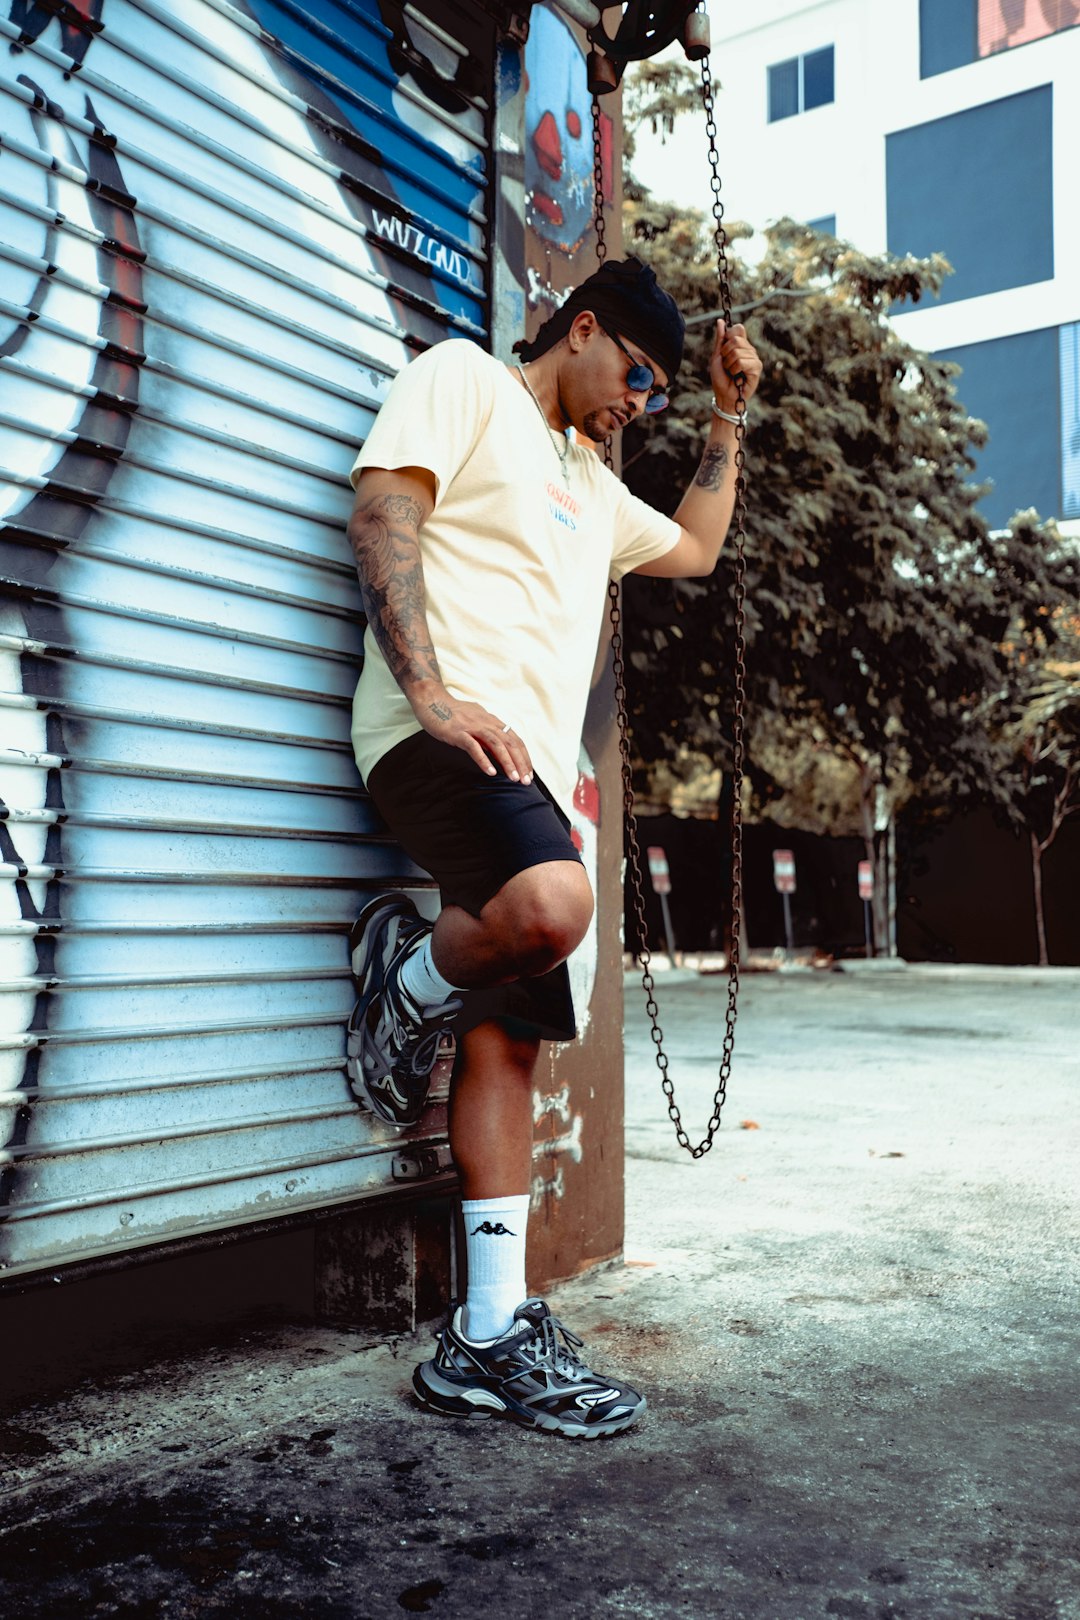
(559, 188)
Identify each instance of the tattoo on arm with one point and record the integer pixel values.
(401, 507)
(714, 464)
(386, 545)
(441, 712)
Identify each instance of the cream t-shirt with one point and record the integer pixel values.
(515, 563)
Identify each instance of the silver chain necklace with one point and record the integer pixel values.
(556, 438)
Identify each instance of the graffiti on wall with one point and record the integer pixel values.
(417, 94)
(559, 1139)
(225, 234)
(585, 833)
(560, 193)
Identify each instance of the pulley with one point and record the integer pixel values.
(644, 29)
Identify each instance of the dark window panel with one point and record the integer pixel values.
(826, 224)
(948, 35)
(783, 90)
(818, 78)
(977, 186)
(1070, 421)
(1023, 454)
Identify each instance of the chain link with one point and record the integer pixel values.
(633, 847)
(599, 224)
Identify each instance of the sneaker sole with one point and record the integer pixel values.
(354, 1068)
(358, 1080)
(485, 1403)
(367, 1099)
(363, 953)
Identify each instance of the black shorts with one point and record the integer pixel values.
(473, 833)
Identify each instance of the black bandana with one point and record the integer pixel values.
(623, 294)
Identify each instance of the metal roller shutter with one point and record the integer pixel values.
(223, 231)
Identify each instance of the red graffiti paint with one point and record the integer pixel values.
(587, 798)
(548, 147)
(548, 207)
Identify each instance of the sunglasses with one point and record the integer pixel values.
(639, 377)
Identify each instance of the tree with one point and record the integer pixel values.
(1037, 784)
(878, 601)
(1048, 739)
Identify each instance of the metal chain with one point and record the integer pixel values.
(599, 224)
(633, 847)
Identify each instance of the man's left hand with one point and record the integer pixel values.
(733, 355)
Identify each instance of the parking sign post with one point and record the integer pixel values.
(784, 878)
(661, 882)
(866, 894)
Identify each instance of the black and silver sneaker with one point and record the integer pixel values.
(531, 1373)
(392, 1042)
(384, 924)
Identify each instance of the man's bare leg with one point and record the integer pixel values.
(491, 1117)
(491, 1129)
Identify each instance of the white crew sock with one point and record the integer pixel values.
(421, 979)
(495, 1250)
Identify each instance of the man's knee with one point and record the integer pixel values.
(544, 914)
(553, 928)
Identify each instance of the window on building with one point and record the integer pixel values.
(1022, 460)
(801, 83)
(948, 36)
(977, 186)
(817, 75)
(783, 90)
(825, 223)
(1070, 421)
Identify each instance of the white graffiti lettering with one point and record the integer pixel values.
(551, 1187)
(415, 241)
(542, 295)
(569, 1142)
(557, 1103)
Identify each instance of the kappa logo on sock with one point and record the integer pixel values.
(498, 1230)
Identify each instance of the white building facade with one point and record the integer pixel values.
(922, 126)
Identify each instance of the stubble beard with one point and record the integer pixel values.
(592, 429)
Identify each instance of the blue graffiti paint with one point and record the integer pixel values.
(559, 186)
(365, 67)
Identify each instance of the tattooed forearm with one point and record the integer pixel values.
(440, 711)
(383, 535)
(714, 464)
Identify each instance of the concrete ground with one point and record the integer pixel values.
(855, 1320)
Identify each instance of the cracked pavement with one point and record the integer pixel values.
(855, 1320)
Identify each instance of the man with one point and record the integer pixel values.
(484, 540)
